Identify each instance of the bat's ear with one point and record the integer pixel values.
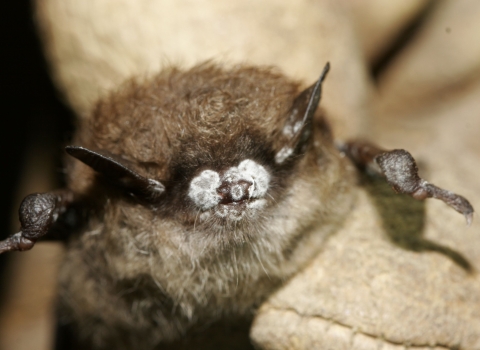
(298, 126)
(120, 175)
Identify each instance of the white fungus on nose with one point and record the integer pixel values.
(260, 176)
(203, 188)
(236, 192)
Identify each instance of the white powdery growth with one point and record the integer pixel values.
(232, 175)
(237, 192)
(259, 175)
(225, 211)
(298, 125)
(288, 130)
(283, 154)
(155, 186)
(203, 189)
(258, 204)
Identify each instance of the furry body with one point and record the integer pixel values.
(141, 273)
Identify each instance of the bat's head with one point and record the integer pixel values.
(215, 152)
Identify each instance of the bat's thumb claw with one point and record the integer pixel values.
(469, 218)
(463, 206)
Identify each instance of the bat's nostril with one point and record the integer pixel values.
(236, 191)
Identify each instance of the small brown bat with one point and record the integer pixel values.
(194, 195)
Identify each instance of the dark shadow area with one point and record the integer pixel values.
(221, 336)
(218, 336)
(224, 334)
(33, 117)
(403, 219)
(402, 40)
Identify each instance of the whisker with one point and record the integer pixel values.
(195, 222)
(255, 252)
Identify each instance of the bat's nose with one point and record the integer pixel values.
(235, 191)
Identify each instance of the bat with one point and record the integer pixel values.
(192, 195)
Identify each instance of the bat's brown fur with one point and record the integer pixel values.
(142, 274)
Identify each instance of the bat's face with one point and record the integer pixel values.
(225, 191)
(218, 152)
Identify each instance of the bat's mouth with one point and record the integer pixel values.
(238, 210)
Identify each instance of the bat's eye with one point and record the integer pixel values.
(234, 191)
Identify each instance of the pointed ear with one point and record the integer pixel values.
(298, 126)
(118, 173)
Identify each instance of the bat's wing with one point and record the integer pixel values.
(38, 213)
(401, 172)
